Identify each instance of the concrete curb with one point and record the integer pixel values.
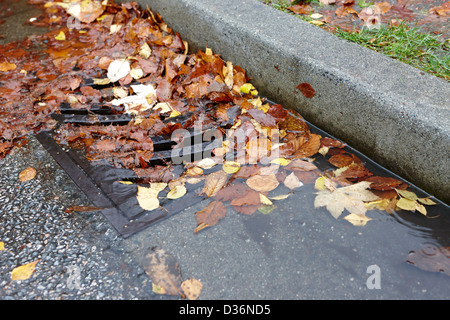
(393, 113)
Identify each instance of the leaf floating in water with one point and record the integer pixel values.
(431, 258)
(164, 271)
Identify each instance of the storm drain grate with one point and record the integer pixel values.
(101, 183)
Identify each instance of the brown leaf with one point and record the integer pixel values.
(247, 171)
(251, 198)
(232, 191)
(300, 165)
(383, 183)
(301, 8)
(294, 123)
(306, 89)
(431, 258)
(82, 209)
(211, 214)
(340, 160)
(214, 182)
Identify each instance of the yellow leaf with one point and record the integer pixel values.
(228, 74)
(23, 272)
(194, 171)
(192, 288)
(186, 47)
(148, 197)
(317, 22)
(265, 209)
(357, 219)
(281, 196)
(231, 167)
(125, 182)
(27, 174)
(61, 36)
(281, 161)
(323, 150)
(421, 208)
(208, 52)
(316, 15)
(426, 201)
(6, 66)
(101, 82)
(136, 73)
(407, 194)
(264, 200)
(145, 51)
(249, 88)
(406, 204)
(2, 245)
(177, 192)
(164, 106)
(320, 183)
(174, 113)
(158, 289)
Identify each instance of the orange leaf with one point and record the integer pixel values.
(210, 215)
(6, 66)
(27, 174)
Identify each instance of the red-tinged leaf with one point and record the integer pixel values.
(331, 143)
(340, 160)
(383, 183)
(306, 89)
(277, 112)
(355, 171)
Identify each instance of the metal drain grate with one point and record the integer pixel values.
(101, 183)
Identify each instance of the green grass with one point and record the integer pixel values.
(405, 43)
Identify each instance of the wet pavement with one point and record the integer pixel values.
(294, 252)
